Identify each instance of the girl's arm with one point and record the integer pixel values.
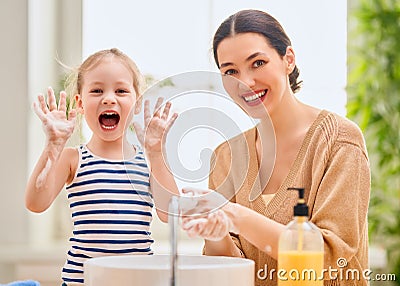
(152, 137)
(53, 168)
(162, 184)
(48, 178)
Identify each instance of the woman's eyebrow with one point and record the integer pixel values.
(256, 54)
(225, 64)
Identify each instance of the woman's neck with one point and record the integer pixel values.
(290, 119)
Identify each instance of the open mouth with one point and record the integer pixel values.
(254, 98)
(109, 120)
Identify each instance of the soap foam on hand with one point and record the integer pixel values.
(41, 179)
(200, 202)
(215, 226)
(202, 214)
(187, 202)
(193, 226)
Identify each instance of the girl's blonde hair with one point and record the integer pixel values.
(74, 81)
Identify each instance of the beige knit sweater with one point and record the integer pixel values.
(332, 165)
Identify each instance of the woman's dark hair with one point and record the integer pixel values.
(255, 21)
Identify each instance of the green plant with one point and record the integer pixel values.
(374, 103)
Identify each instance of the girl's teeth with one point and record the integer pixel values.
(254, 96)
(108, 127)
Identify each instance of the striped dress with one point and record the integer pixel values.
(111, 206)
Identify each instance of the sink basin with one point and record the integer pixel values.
(154, 270)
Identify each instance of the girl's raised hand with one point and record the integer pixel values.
(156, 125)
(57, 126)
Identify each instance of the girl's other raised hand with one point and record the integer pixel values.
(156, 126)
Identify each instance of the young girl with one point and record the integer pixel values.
(107, 179)
(315, 149)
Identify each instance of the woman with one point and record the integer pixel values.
(314, 149)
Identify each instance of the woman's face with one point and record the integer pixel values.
(254, 74)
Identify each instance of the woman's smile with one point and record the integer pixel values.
(254, 97)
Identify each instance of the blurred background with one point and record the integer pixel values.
(347, 52)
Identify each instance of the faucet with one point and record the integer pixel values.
(173, 220)
(177, 204)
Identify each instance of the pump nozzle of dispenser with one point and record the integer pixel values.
(300, 190)
(301, 209)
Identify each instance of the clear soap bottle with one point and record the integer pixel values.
(301, 249)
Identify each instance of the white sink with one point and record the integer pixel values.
(154, 270)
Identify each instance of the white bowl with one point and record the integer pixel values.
(154, 270)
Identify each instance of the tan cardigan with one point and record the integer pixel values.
(332, 165)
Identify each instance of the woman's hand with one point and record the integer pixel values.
(57, 126)
(156, 126)
(203, 214)
(215, 226)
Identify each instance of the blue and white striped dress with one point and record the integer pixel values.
(111, 204)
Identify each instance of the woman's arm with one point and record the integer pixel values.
(341, 203)
(223, 247)
(340, 210)
(260, 231)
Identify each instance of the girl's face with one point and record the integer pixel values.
(107, 97)
(254, 74)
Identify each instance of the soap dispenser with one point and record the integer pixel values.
(301, 249)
